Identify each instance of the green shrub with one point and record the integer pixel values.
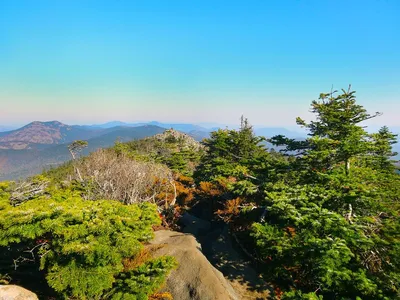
(81, 245)
(298, 295)
(142, 281)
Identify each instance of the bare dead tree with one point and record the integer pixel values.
(75, 148)
(27, 190)
(118, 177)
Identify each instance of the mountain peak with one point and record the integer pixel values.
(172, 135)
(52, 132)
(47, 123)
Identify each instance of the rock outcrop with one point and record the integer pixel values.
(14, 292)
(195, 278)
(185, 140)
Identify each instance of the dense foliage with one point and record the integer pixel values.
(324, 217)
(83, 246)
(234, 171)
(335, 230)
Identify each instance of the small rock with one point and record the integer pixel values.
(14, 292)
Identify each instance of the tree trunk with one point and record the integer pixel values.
(79, 174)
(347, 167)
(75, 167)
(174, 186)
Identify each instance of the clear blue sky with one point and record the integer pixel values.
(81, 61)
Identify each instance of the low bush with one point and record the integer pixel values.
(81, 245)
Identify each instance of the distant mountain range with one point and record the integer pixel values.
(40, 145)
(203, 131)
(178, 126)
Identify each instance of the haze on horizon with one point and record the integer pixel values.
(85, 62)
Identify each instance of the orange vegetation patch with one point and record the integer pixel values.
(184, 193)
(161, 296)
(209, 189)
(278, 292)
(231, 209)
(144, 255)
(291, 231)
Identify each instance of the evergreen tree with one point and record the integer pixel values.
(382, 149)
(334, 231)
(231, 153)
(336, 136)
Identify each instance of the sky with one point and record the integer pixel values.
(85, 62)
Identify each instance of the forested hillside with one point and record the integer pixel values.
(319, 219)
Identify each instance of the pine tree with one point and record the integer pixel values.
(231, 153)
(381, 151)
(333, 232)
(336, 136)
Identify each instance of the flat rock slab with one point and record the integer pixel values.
(14, 292)
(195, 278)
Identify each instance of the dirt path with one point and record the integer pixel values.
(217, 247)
